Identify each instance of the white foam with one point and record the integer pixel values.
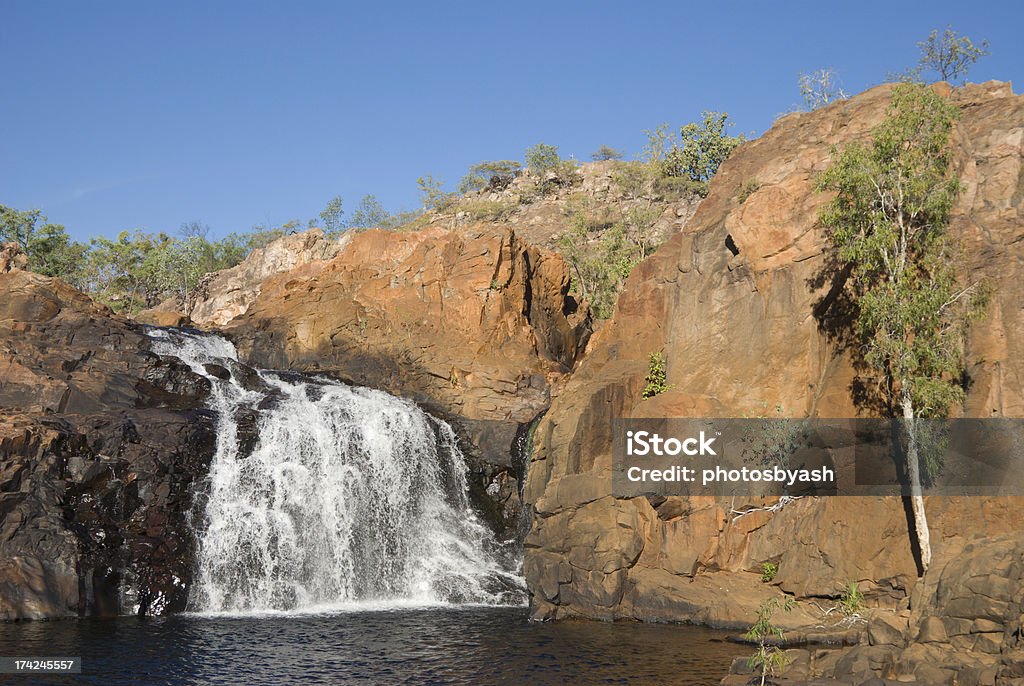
(351, 500)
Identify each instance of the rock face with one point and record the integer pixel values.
(599, 188)
(12, 257)
(474, 324)
(965, 628)
(731, 302)
(223, 295)
(99, 454)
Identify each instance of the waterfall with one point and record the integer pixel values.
(326, 496)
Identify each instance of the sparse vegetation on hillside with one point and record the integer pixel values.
(49, 248)
(136, 269)
(495, 175)
(604, 243)
(600, 258)
(139, 269)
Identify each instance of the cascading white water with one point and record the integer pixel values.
(350, 496)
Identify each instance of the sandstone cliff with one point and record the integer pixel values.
(730, 301)
(223, 295)
(474, 324)
(100, 449)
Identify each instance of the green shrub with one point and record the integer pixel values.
(769, 658)
(542, 158)
(605, 153)
(748, 189)
(701, 149)
(433, 195)
(656, 376)
(487, 210)
(634, 179)
(369, 214)
(671, 188)
(601, 255)
(768, 571)
(851, 602)
(496, 175)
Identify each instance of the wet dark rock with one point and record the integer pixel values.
(247, 431)
(217, 371)
(102, 454)
(247, 377)
(171, 383)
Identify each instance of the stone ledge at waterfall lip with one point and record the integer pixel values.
(355, 607)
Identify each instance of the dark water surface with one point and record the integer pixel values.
(436, 646)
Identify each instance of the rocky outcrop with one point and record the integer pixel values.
(100, 450)
(965, 627)
(474, 324)
(607, 191)
(12, 257)
(734, 303)
(223, 295)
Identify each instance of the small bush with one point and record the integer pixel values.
(433, 195)
(495, 175)
(542, 158)
(768, 571)
(701, 148)
(656, 376)
(748, 189)
(634, 179)
(851, 602)
(487, 210)
(605, 153)
(768, 658)
(678, 187)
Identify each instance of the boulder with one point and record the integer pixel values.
(12, 257)
(223, 295)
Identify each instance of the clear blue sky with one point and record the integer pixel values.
(147, 114)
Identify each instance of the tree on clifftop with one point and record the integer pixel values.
(701, 149)
(887, 227)
(949, 54)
